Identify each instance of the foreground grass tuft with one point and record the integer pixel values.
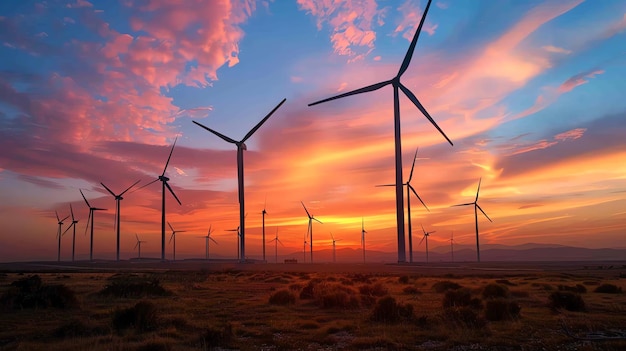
(134, 287)
(566, 300)
(494, 291)
(387, 310)
(460, 298)
(501, 309)
(445, 285)
(30, 292)
(608, 289)
(142, 317)
(282, 297)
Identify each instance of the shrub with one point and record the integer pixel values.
(505, 282)
(464, 317)
(581, 289)
(73, 328)
(567, 300)
(387, 310)
(218, 336)
(282, 297)
(377, 289)
(608, 289)
(404, 279)
(492, 291)
(445, 285)
(134, 287)
(411, 290)
(500, 309)
(142, 317)
(360, 278)
(460, 298)
(30, 292)
(336, 296)
(307, 291)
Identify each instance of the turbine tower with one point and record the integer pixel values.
(138, 246)
(241, 147)
(206, 242)
(310, 230)
(118, 198)
(276, 241)
(397, 85)
(476, 208)
(410, 188)
(164, 180)
(363, 232)
(426, 235)
(173, 237)
(334, 256)
(60, 223)
(72, 225)
(452, 245)
(264, 213)
(90, 223)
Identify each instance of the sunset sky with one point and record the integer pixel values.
(532, 93)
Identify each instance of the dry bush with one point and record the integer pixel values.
(74, 328)
(134, 287)
(333, 295)
(307, 291)
(403, 279)
(387, 310)
(445, 285)
(578, 288)
(505, 282)
(464, 317)
(282, 297)
(520, 293)
(377, 289)
(460, 298)
(608, 289)
(295, 287)
(142, 317)
(493, 291)
(30, 292)
(411, 290)
(215, 337)
(360, 278)
(567, 300)
(501, 309)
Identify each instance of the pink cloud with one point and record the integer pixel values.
(578, 80)
(570, 134)
(411, 16)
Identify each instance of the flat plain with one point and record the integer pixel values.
(200, 305)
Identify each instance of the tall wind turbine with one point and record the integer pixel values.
(310, 229)
(452, 245)
(410, 188)
(264, 213)
(173, 237)
(90, 223)
(476, 208)
(72, 225)
(138, 245)
(118, 198)
(241, 147)
(164, 180)
(426, 235)
(363, 232)
(206, 242)
(334, 256)
(397, 85)
(60, 223)
(276, 241)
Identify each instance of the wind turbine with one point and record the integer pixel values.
(334, 256)
(173, 237)
(90, 223)
(310, 229)
(241, 147)
(60, 223)
(206, 243)
(238, 242)
(72, 225)
(397, 85)
(276, 241)
(476, 208)
(452, 245)
(264, 213)
(426, 235)
(363, 232)
(138, 245)
(410, 188)
(118, 198)
(164, 180)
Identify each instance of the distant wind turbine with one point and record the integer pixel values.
(276, 241)
(138, 246)
(263, 213)
(90, 223)
(118, 198)
(426, 235)
(310, 229)
(206, 243)
(173, 237)
(476, 208)
(410, 188)
(164, 180)
(60, 223)
(241, 147)
(397, 85)
(72, 225)
(334, 256)
(452, 245)
(363, 232)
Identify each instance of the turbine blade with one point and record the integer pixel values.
(416, 102)
(224, 137)
(418, 197)
(143, 186)
(412, 167)
(180, 231)
(98, 209)
(135, 183)
(478, 190)
(168, 223)
(109, 190)
(137, 236)
(409, 53)
(467, 204)
(481, 210)
(57, 213)
(68, 228)
(172, 237)
(213, 240)
(88, 218)
(84, 198)
(424, 237)
(424, 230)
(318, 221)
(172, 191)
(137, 244)
(169, 157)
(354, 92)
(381, 185)
(72, 212)
(253, 130)
(66, 217)
(307, 211)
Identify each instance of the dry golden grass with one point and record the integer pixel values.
(230, 309)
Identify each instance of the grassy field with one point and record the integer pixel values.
(313, 307)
